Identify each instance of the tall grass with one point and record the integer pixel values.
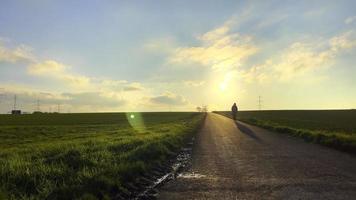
(42, 160)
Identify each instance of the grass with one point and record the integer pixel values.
(85, 156)
(333, 128)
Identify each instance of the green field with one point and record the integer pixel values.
(85, 156)
(334, 128)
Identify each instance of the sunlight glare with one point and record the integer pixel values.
(223, 86)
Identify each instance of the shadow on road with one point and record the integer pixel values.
(247, 131)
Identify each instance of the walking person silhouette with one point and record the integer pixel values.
(234, 110)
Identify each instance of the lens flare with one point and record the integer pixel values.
(136, 121)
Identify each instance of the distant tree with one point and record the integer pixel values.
(205, 109)
(199, 109)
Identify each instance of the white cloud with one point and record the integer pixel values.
(219, 49)
(194, 83)
(135, 86)
(59, 71)
(274, 19)
(45, 68)
(167, 98)
(343, 41)
(92, 99)
(216, 34)
(21, 53)
(83, 92)
(75, 101)
(113, 83)
(165, 45)
(121, 85)
(300, 58)
(350, 20)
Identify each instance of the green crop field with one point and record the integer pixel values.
(334, 128)
(85, 156)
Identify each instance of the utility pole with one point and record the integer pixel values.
(15, 102)
(59, 108)
(259, 103)
(1, 95)
(38, 106)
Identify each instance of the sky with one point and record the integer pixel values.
(121, 56)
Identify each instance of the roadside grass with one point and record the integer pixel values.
(334, 128)
(79, 157)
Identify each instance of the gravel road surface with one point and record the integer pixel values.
(238, 161)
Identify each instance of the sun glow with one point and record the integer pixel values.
(223, 86)
(226, 82)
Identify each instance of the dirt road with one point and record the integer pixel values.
(238, 161)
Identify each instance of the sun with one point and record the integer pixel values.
(223, 86)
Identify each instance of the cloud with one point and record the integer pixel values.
(259, 73)
(168, 98)
(194, 83)
(21, 53)
(76, 101)
(76, 80)
(165, 44)
(121, 85)
(113, 83)
(346, 41)
(350, 20)
(84, 93)
(133, 87)
(217, 33)
(81, 93)
(300, 58)
(219, 49)
(272, 20)
(48, 67)
(27, 99)
(92, 99)
(44, 68)
(59, 71)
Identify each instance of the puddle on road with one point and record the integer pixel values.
(191, 175)
(182, 161)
